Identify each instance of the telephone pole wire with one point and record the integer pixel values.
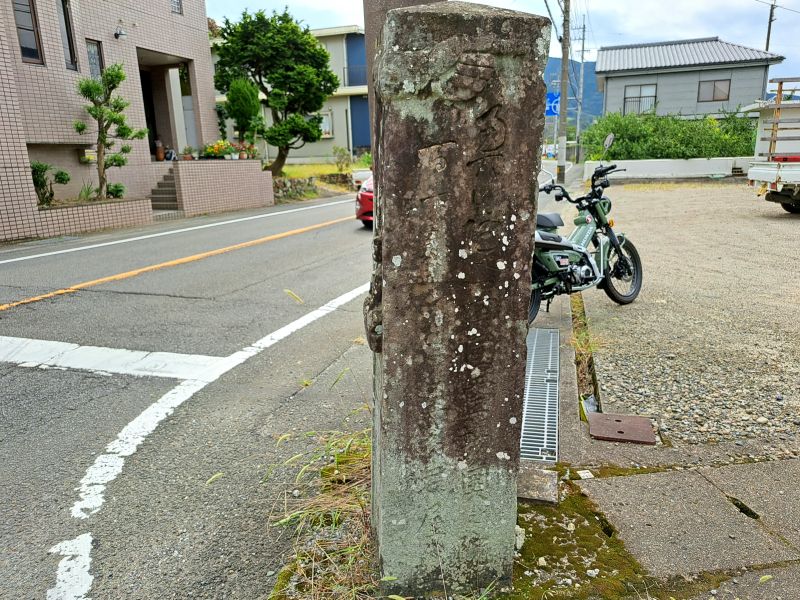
(580, 90)
(562, 116)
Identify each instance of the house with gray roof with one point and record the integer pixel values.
(688, 77)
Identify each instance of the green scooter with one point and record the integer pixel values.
(591, 256)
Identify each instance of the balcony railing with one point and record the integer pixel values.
(639, 105)
(355, 75)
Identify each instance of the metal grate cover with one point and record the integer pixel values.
(540, 410)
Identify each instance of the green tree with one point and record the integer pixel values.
(108, 111)
(290, 68)
(243, 106)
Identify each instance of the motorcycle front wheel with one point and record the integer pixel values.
(536, 302)
(623, 281)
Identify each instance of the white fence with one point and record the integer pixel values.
(674, 169)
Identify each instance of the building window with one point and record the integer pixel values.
(95, 52)
(327, 125)
(177, 6)
(65, 24)
(28, 31)
(640, 99)
(714, 91)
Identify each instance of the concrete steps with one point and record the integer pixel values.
(165, 196)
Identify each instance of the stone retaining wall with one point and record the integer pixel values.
(292, 188)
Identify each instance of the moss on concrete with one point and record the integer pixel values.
(572, 551)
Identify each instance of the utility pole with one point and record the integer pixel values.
(562, 116)
(771, 21)
(580, 90)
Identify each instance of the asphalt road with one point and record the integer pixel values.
(161, 531)
(129, 474)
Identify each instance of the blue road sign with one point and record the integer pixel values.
(553, 104)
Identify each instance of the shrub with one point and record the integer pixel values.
(115, 190)
(243, 106)
(343, 159)
(365, 160)
(87, 193)
(43, 183)
(650, 136)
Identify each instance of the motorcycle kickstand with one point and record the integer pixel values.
(549, 302)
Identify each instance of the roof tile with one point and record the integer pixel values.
(679, 53)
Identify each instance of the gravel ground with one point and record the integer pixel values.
(711, 346)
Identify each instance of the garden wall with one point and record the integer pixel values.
(91, 217)
(213, 186)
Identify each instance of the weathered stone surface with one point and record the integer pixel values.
(459, 105)
(374, 18)
(535, 483)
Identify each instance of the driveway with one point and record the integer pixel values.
(711, 346)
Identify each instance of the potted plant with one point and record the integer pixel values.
(218, 150)
(188, 153)
(160, 151)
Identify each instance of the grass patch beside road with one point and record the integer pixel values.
(311, 170)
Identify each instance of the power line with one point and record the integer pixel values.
(552, 20)
(778, 6)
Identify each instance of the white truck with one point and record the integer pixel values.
(775, 172)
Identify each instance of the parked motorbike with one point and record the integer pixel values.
(591, 256)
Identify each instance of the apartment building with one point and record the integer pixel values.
(46, 47)
(345, 115)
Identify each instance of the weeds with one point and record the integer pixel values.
(586, 344)
(333, 549)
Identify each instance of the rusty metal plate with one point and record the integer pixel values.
(621, 428)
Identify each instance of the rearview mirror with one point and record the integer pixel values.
(552, 177)
(609, 141)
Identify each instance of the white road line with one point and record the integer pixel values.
(173, 232)
(73, 580)
(37, 353)
(73, 571)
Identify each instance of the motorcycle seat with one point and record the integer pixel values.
(549, 220)
(550, 237)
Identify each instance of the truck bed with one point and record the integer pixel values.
(775, 174)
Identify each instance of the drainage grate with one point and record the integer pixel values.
(540, 411)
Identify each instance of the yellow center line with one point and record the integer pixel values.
(172, 263)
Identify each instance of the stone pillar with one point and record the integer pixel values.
(460, 107)
(374, 18)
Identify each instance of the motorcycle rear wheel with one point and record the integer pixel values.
(623, 285)
(536, 302)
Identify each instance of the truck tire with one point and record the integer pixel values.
(791, 208)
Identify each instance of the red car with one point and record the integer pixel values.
(364, 200)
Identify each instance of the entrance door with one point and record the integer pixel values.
(149, 108)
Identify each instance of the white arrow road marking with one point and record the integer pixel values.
(73, 580)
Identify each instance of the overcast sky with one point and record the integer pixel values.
(609, 22)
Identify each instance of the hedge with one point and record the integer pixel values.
(649, 136)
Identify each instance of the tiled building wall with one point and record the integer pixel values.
(38, 103)
(91, 217)
(17, 197)
(209, 186)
